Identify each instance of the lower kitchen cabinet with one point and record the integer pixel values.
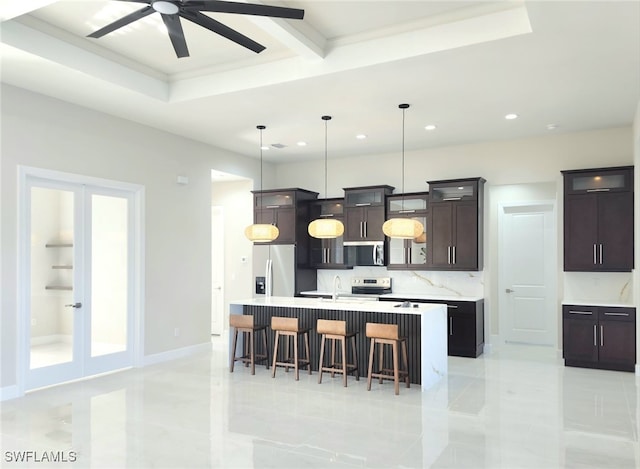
(465, 325)
(599, 337)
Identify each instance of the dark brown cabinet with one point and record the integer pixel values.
(328, 253)
(455, 224)
(364, 213)
(599, 337)
(408, 254)
(288, 209)
(465, 325)
(598, 220)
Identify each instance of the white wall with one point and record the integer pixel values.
(43, 132)
(636, 158)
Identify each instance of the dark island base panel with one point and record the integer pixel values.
(409, 326)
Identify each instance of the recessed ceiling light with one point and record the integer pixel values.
(302, 144)
(361, 136)
(430, 127)
(511, 116)
(552, 126)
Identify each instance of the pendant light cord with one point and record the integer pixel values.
(261, 128)
(326, 120)
(404, 107)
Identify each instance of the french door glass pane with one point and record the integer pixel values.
(109, 253)
(51, 277)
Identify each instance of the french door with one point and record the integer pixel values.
(78, 281)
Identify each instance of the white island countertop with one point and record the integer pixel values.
(397, 296)
(340, 304)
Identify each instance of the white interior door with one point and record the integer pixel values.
(217, 270)
(78, 284)
(527, 285)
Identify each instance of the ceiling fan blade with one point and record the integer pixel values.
(219, 6)
(176, 34)
(219, 28)
(124, 21)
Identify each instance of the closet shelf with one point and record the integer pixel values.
(58, 287)
(62, 267)
(58, 245)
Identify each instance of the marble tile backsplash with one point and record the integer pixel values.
(606, 287)
(463, 284)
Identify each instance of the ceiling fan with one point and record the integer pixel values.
(172, 10)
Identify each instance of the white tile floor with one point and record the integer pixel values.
(517, 407)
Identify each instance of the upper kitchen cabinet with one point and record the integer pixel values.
(598, 220)
(364, 213)
(288, 209)
(327, 253)
(455, 224)
(408, 254)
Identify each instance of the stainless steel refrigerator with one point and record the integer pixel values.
(274, 270)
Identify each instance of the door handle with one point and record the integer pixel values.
(74, 305)
(509, 290)
(600, 253)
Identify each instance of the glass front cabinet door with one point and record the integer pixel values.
(408, 254)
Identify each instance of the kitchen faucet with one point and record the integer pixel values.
(336, 284)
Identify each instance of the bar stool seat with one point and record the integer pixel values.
(244, 323)
(387, 334)
(334, 330)
(290, 327)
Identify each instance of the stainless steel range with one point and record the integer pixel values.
(373, 287)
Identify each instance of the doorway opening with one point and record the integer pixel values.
(231, 213)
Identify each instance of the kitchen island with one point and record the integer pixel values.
(424, 325)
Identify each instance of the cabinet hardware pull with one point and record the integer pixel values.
(450, 326)
(595, 332)
(406, 211)
(452, 306)
(600, 253)
(361, 232)
(601, 335)
(364, 223)
(598, 190)
(451, 198)
(363, 204)
(581, 312)
(616, 314)
(326, 215)
(454, 255)
(594, 254)
(448, 254)
(273, 206)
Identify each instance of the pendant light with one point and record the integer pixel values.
(326, 228)
(403, 228)
(261, 232)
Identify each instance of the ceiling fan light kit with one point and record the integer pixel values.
(191, 10)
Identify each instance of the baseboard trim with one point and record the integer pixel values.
(9, 392)
(176, 353)
(637, 369)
